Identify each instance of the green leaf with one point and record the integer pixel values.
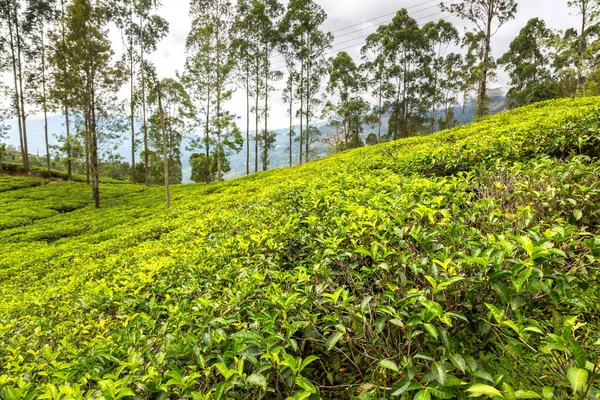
(257, 380)
(333, 339)
(440, 394)
(484, 375)
(496, 313)
(389, 364)
(432, 330)
(578, 353)
(459, 362)
(440, 373)
(522, 278)
(527, 394)
(432, 306)
(578, 214)
(400, 387)
(11, 393)
(578, 378)
(423, 395)
(481, 389)
(548, 393)
(305, 384)
(307, 361)
(508, 392)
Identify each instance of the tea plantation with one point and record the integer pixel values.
(463, 264)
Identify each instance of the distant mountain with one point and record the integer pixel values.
(279, 156)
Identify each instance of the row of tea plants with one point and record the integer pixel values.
(464, 264)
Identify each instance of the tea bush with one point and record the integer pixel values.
(464, 264)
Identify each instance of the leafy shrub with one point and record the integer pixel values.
(460, 264)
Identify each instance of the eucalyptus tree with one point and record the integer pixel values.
(92, 76)
(141, 33)
(39, 15)
(210, 62)
(440, 36)
(305, 18)
(264, 16)
(288, 46)
(176, 107)
(244, 45)
(589, 11)
(450, 87)
(12, 15)
(407, 49)
(60, 90)
(473, 45)
(528, 63)
(347, 84)
(375, 66)
(487, 16)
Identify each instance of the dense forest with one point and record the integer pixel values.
(56, 58)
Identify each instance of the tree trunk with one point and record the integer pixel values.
(207, 175)
(379, 110)
(94, 152)
(301, 87)
(143, 78)
(132, 105)
(20, 76)
(247, 116)
(481, 106)
(257, 116)
(164, 147)
(87, 147)
(308, 94)
(66, 100)
(581, 47)
(266, 112)
(291, 118)
(17, 95)
(68, 128)
(44, 100)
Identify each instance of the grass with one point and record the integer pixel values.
(432, 267)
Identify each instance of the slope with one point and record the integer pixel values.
(436, 266)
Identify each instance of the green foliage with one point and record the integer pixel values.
(460, 264)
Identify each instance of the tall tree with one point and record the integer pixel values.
(375, 67)
(440, 36)
(305, 19)
(141, 32)
(473, 45)
(211, 50)
(38, 16)
(488, 16)
(347, 84)
(92, 75)
(407, 49)
(589, 11)
(246, 51)
(12, 15)
(528, 64)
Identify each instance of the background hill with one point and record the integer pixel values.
(278, 158)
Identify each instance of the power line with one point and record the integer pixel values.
(386, 15)
(362, 38)
(381, 23)
(376, 18)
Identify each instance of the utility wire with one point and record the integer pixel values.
(386, 15)
(379, 17)
(280, 63)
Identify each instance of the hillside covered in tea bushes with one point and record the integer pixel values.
(461, 264)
